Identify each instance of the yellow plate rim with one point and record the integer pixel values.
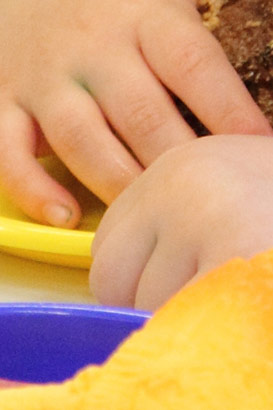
(23, 235)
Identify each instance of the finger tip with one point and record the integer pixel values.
(61, 215)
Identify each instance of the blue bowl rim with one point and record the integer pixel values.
(79, 310)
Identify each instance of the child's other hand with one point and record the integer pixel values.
(193, 209)
(72, 71)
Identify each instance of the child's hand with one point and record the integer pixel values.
(72, 71)
(193, 209)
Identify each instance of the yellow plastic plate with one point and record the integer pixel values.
(21, 236)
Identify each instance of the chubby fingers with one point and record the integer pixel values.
(79, 134)
(135, 263)
(135, 267)
(190, 62)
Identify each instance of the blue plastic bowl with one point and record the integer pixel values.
(48, 343)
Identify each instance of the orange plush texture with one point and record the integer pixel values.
(210, 347)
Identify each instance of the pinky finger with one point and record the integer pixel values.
(24, 179)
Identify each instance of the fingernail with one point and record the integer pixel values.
(57, 215)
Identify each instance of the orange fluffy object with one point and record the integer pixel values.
(210, 347)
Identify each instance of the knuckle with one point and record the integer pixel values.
(233, 120)
(191, 58)
(229, 114)
(143, 118)
(68, 129)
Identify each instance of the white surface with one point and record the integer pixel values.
(22, 280)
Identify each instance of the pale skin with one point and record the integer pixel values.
(195, 208)
(72, 71)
